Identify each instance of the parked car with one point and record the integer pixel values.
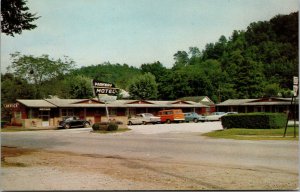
(192, 116)
(69, 122)
(143, 118)
(215, 116)
(230, 113)
(172, 115)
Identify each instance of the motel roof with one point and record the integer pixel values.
(256, 102)
(94, 103)
(36, 103)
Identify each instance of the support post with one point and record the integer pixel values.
(288, 115)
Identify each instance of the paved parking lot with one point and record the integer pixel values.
(163, 156)
(176, 128)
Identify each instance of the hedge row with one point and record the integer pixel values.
(254, 120)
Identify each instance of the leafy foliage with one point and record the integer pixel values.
(143, 87)
(15, 17)
(260, 61)
(254, 120)
(107, 72)
(37, 70)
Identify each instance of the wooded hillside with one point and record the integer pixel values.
(256, 62)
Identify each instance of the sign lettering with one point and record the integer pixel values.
(102, 84)
(106, 91)
(104, 88)
(45, 109)
(11, 105)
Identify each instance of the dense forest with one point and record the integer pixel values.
(257, 62)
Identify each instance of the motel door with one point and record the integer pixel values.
(45, 117)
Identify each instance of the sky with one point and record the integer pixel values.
(134, 32)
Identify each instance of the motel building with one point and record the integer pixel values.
(48, 112)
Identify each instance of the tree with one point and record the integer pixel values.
(77, 87)
(143, 87)
(195, 55)
(13, 88)
(250, 79)
(37, 70)
(15, 17)
(181, 59)
(272, 90)
(156, 69)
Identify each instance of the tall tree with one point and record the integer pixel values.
(39, 69)
(77, 87)
(15, 17)
(13, 88)
(250, 81)
(181, 59)
(143, 87)
(156, 69)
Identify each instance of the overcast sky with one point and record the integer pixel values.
(134, 31)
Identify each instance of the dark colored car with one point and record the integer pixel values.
(69, 122)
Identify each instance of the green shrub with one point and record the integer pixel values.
(96, 127)
(254, 120)
(106, 126)
(112, 126)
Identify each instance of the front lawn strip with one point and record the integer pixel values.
(254, 134)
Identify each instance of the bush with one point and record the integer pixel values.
(112, 126)
(96, 127)
(254, 120)
(106, 126)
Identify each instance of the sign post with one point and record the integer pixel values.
(105, 92)
(293, 105)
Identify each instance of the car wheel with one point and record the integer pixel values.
(168, 121)
(195, 120)
(67, 126)
(129, 123)
(86, 125)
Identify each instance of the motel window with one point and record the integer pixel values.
(112, 111)
(131, 112)
(207, 109)
(33, 114)
(67, 112)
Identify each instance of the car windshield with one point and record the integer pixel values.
(68, 118)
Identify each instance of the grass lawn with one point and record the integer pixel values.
(255, 134)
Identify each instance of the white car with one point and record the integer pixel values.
(143, 118)
(215, 116)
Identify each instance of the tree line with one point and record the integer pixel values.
(257, 62)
